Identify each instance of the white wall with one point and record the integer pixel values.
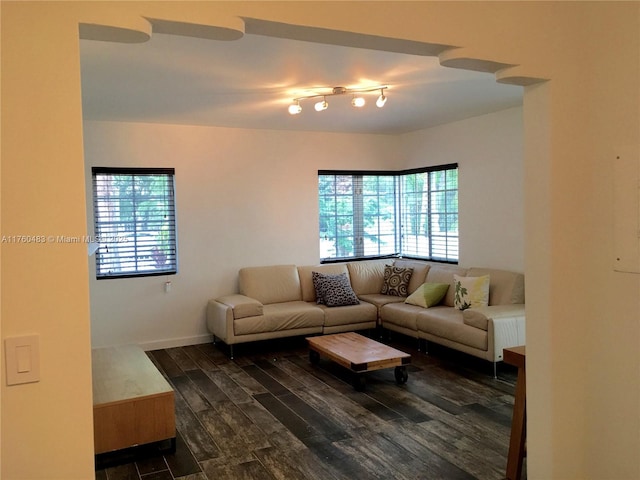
(47, 427)
(489, 153)
(244, 197)
(249, 197)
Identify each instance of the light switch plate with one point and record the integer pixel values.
(22, 358)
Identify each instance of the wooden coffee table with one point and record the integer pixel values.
(359, 354)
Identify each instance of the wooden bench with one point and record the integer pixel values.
(133, 404)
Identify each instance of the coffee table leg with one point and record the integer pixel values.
(314, 357)
(401, 375)
(358, 382)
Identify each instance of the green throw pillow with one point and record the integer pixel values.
(428, 294)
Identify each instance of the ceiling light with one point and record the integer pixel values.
(356, 92)
(295, 108)
(357, 101)
(320, 106)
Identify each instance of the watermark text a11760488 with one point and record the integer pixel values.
(40, 239)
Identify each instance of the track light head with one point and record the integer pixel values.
(357, 102)
(320, 106)
(295, 108)
(381, 99)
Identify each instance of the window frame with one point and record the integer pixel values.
(451, 248)
(110, 233)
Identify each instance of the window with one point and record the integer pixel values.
(135, 221)
(410, 213)
(429, 214)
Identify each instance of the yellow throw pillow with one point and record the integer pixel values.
(471, 292)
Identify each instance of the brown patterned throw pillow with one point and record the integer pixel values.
(334, 290)
(396, 281)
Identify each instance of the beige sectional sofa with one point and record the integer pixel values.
(280, 301)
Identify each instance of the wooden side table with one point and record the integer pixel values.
(516, 356)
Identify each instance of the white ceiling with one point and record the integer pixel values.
(249, 83)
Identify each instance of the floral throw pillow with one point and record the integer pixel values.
(471, 292)
(333, 290)
(396, 281)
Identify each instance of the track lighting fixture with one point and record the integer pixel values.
(357, 98)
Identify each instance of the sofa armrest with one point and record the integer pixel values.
(507, 330)
(479, 317)
(504, 324)
(220, 320)
(241, 305)
(222, 312)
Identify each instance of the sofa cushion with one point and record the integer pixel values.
(506, 287)
(281, 316)
(334, 290)
(378, 299)
(401, 314)
(273, 284)
(241, 305)
(446, 322)
(471, 291)
(396, 281)
(443, 273)
(352, 314)
(428, 294)
(306, 280)
(367, 275)
(419, 274)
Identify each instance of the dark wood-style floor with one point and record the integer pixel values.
(270, 414)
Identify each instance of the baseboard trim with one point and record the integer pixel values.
(175, 342)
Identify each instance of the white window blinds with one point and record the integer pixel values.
(372, 214)
(135, 221)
